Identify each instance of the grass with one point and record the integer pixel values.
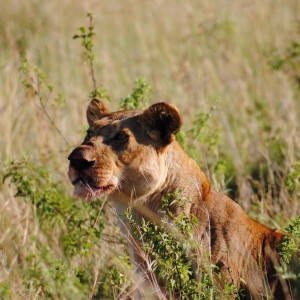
(231, 68)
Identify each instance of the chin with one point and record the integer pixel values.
(91, 193)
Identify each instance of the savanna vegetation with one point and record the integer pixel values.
(233, 69)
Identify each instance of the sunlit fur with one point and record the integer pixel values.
(151, 164)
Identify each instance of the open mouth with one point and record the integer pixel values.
(103, 189)
(86, 190)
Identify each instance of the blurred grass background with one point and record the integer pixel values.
(204, 56)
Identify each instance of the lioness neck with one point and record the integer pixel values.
(183, 176)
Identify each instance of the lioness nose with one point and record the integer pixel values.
(81, 158)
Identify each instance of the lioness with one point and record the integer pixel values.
(132, 157)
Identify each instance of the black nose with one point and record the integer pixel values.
(81, 158)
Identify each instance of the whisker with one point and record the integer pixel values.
(123, 178)
(144, 176)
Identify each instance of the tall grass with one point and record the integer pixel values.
(213, 59)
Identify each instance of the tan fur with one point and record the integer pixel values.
(132, 156)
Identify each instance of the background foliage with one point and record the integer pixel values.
(233, 70)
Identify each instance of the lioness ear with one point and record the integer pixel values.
(163, 121)
(96, 110)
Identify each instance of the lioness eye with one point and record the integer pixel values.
(121, 137)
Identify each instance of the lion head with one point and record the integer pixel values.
(123, 151)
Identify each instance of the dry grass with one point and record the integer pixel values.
(194, 53)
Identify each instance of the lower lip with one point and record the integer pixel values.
(93, 192)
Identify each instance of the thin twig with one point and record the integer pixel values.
(93, 75)
(91, 59)
(92, 292)
(38, 91)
